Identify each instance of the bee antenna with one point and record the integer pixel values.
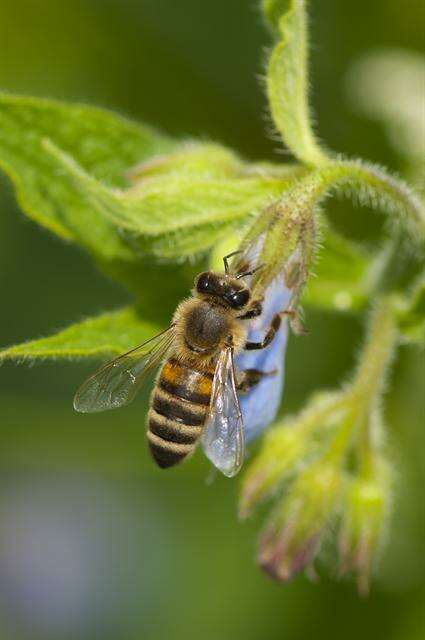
(250, 273)
(226, 259)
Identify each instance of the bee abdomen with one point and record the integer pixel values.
(182, 411)
(186, 383)
(179, 408)
(171, 430)
(167, 453)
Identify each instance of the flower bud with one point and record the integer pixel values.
(287, 447)
(365, 514)
(282, 450)
(294, 534)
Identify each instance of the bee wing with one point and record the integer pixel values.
(223, 439)
(261, 403)
(116, 383)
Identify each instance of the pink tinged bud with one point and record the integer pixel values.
(282, 557)
(357, 559)
(252, 489)
(362, 531)
(363, 562)
(293, 538)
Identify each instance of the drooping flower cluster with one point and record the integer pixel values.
(326, 469)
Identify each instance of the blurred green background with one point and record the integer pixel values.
(95, 542)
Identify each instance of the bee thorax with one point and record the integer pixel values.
(206, 326)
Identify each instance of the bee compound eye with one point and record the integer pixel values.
(203, 283)
(239, 298)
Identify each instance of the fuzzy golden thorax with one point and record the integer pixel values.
(203, 329)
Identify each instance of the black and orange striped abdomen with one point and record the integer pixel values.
(179, 407)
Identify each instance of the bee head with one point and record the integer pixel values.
(229, 289)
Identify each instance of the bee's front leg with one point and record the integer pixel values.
(251, 377)
(273, 329)
(255, 310)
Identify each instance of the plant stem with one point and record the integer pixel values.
(376, 353)
(363, 417)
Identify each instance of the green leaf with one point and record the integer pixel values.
(106, 335)
(194, 241)
(176, 215)
(287, 80)
(411, 315)
(200, 159)
(340, 279)
(158, 287)
(104, 144)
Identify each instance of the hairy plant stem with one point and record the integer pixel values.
(376, 353)
(363, 417)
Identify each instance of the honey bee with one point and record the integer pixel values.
(195, 397)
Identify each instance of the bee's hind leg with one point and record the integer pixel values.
(251, 377)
